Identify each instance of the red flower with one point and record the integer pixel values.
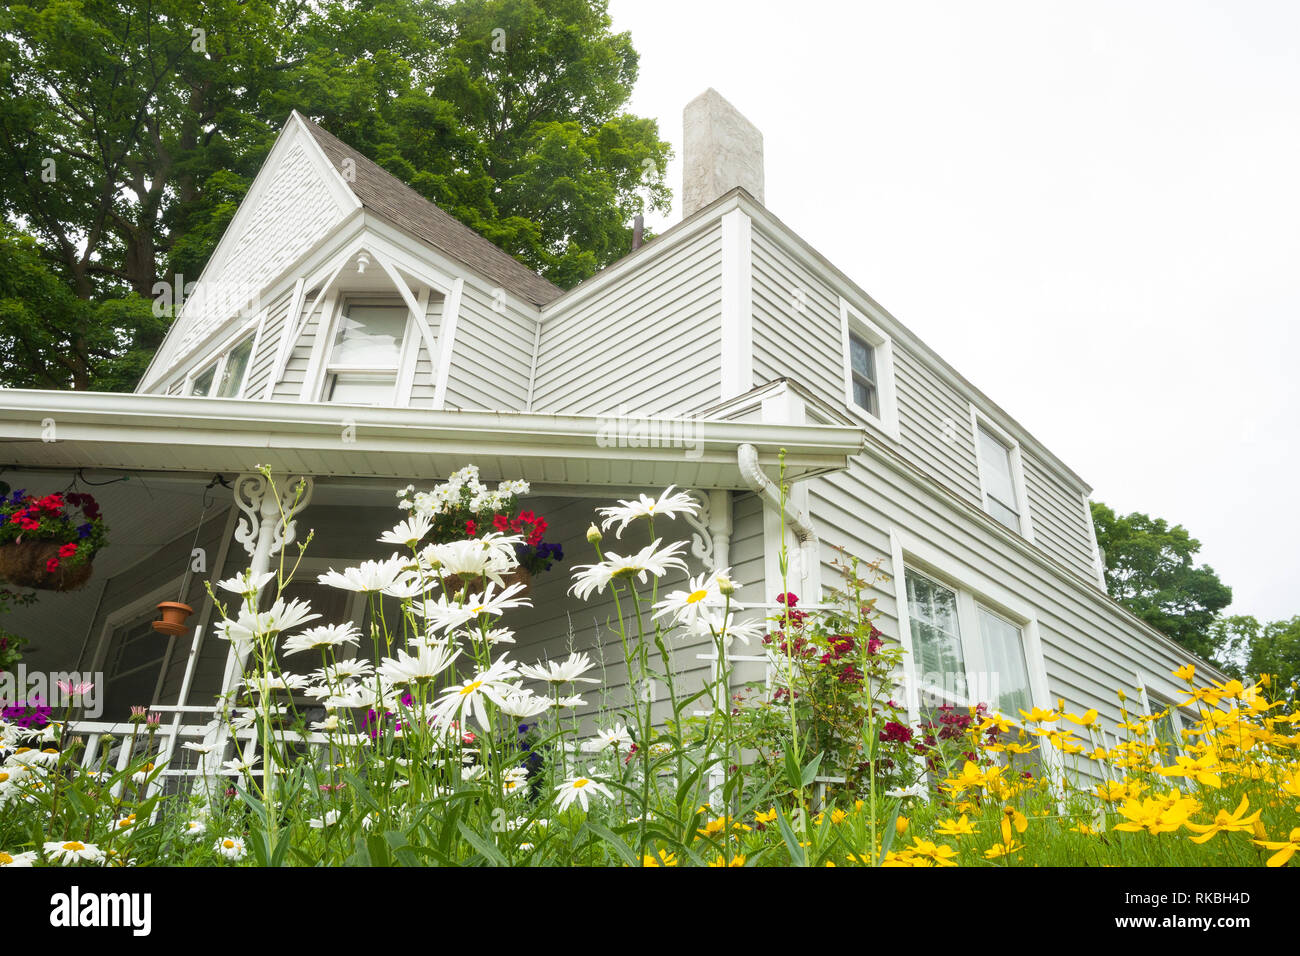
(789, 599)
(896, 733)
(471, 528)
(500, 522)
(52, 565)
(68, 550)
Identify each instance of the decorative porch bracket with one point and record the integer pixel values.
(711, 528)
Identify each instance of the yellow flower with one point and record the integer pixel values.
(950, 827)
(664, 859)
(940, 854)
(1088, 718)
(1203, 769)
(1085, 829)
(767, 817)
(1011, 817)
(1156, 814)
(999, 850)
(900, 825)
(1040, 716)
(1285, 849)
(1225, 822)
(1187, 672)
(721, 863)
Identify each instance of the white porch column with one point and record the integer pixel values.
(268, 525)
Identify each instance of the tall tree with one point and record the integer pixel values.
(1150, 569)
(1270, 651)
(129, 131)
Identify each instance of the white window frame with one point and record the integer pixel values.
(979, 421)
(855, 322)
(973, 590)
(408, 353)
(1161, 703)
(249, 331)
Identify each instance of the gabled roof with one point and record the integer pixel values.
(386, 195)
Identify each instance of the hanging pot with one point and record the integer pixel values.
(174, 615)
(454, 583)
(23, 563)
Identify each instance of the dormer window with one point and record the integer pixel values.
(224, 378)
(366, 354)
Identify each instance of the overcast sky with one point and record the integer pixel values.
(1091, 210)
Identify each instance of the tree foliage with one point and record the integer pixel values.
(129, 132)
(1150, 568)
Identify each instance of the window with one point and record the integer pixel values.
(1166, 728)
(367, 350)
(964, 652)
(132, 666)
(862, 368)
(225, 377)
(868, 358)
(1000, 478)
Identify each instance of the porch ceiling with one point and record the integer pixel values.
(180, 434)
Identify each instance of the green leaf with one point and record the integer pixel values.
(615, 843)
(810, 771)
(485, 847)
(797, 857)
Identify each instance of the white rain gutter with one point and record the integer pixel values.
(796, 520)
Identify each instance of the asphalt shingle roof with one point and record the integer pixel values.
(385, 194)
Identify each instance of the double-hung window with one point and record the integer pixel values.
(1001, 484)
(868, 356)
(965, 653)
(364, 358)
(862, 369)
(224, 377)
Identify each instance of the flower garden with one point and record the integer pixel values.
(447, 746)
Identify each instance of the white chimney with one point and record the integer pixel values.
(720, 151)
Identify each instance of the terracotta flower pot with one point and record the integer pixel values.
(23, 563)
(174, 615)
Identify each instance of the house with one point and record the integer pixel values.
(348, 331)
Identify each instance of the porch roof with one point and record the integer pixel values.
(54, 429)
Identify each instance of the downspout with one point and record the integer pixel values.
(797, 521)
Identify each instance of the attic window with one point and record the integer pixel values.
(366, 354)
(868, 356)
(862, 366)
(224, 378)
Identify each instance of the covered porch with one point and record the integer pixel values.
(176, 482)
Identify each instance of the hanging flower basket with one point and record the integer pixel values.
(49, 543)
(455, 583)
(26, 564)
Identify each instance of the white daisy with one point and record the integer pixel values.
(320, 823)
(444, 615)
(522, 704)
(72, 852)
(195, 828)
(649, 560)
(617, 736)
(470, 698)
(349, 669)
(247, 627)
(322, 636)
(18, 859)
(247, 583)
(567, 671)
(579, 789)
(369, 576)
(701, 592)
(231, 847)
(668, 505)
(490, 556)
(428, 661)
(409, 531)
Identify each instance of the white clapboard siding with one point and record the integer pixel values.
(424, 387)
(648, 341)
(797, 334)
(492, 352)
(1091, 646)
